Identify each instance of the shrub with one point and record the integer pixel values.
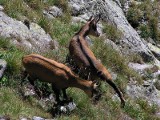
(145, 31)
(134, 16)
(112, 32)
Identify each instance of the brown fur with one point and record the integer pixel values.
(58, 74)
(84, 58)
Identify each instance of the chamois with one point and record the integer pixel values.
(59, 75)
(82, 57)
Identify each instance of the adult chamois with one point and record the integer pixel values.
(59, 75)
(81, 56)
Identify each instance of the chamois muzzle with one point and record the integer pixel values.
(96, 93)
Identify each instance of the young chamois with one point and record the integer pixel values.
(84, 59)
(59, 75)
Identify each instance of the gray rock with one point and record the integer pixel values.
(146, 91)
(3, 65)
(1, 8)
(53, 12)
(75, 20)
(155, 50)
(77, 6)
(23, 118)
(146, 70)
(47, 15)
(34, 38)
(37, 118)
(140, 68)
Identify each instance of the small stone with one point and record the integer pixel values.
(55, 11)
(1, 8)
(37, 118)
(3, 65)
(23, 118)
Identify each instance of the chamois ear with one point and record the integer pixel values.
(91, 18)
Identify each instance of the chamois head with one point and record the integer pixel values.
(94, 91)
(92, 22)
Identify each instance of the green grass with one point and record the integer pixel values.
(15, 107)
(111, 32)
(12, 55)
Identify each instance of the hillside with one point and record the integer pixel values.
(128, 46)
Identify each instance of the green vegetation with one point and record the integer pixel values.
(147, 11)
(112, 32)
(63, 30)
(13, 106)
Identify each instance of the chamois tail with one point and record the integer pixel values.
(111, 83)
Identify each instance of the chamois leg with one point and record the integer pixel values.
(111, 83)
(57, 93)
(31, 81)
(64, 94)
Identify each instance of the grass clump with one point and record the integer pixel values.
(12, 55)
(112, 32)
(134, 15)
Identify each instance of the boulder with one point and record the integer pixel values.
(53, 12)
(34, 38)
(146, 91)
(3, 65)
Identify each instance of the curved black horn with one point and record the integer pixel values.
(90, 18)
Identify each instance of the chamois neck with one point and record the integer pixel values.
(82, 84)
(84, 31)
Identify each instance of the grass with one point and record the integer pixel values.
(14, 106)
(112, 32)
(12, 55)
